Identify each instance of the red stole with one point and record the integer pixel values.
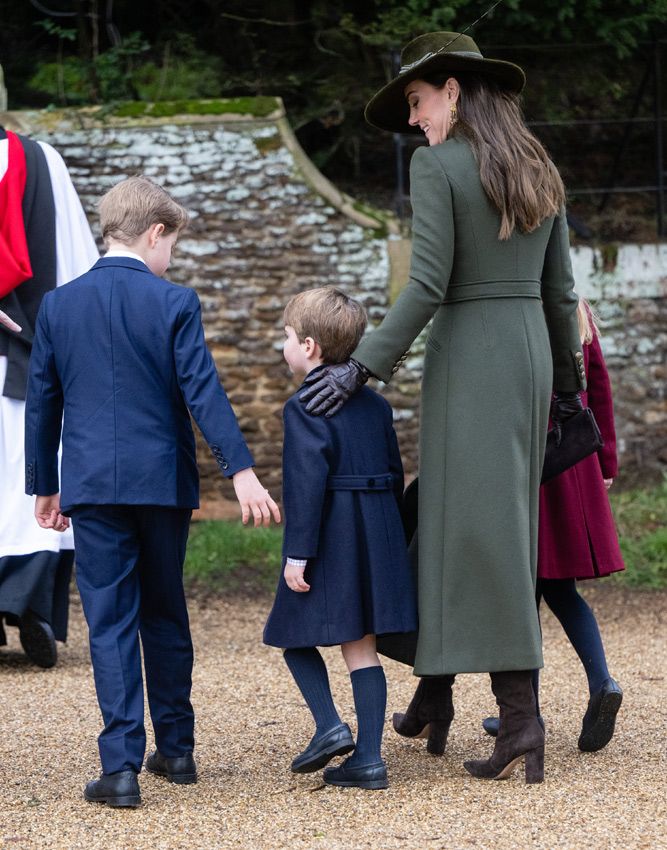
(14, 258)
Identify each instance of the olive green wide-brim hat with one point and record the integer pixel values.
(427, 54)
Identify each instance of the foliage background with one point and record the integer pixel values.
(584, 59)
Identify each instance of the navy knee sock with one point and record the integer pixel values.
(369, 688)
(310, 673)
(580, 625)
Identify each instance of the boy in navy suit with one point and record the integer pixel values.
(122, 353)
(346, 574)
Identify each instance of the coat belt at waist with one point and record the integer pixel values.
(493, 289)
(383, 481)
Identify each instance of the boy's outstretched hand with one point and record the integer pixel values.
(254, 499)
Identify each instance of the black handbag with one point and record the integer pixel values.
(577, 438)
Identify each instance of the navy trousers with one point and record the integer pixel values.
(129, 570)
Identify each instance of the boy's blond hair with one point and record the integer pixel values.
(333, 319)
(132, 206)
(588, 322)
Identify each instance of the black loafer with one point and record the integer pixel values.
(322, 748)
(370, 776)
(120, 790)
(597, 727)
(37, 640)
(182, 769)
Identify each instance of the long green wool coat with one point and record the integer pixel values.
(504, 333)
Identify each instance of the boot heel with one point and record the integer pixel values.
(408, 727)
(534, 766)
(437, 737)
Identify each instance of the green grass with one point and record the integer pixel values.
(641, 520)
(228, 557)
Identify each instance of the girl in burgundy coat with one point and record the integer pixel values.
(577, 540)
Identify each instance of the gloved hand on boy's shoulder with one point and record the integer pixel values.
(330, 387)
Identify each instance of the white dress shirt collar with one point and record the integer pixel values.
(120, 252)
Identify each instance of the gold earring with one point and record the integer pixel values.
(454, 115)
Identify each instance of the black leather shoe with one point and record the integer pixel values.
(492, 724)
(37, 640)
(370, 776)
(182, 770)
(598, 724)
(120, 790)
(322, 748)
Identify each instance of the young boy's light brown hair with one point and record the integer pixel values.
(333, 319)
(132, 206)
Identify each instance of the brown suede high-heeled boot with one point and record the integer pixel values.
(520, 734)
(429, 714)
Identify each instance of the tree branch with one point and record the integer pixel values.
(262, 20)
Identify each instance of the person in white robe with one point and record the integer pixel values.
(36, 563)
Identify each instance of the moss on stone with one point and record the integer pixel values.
(609, 254)
(382, 218)
(131, 109)
(264, 144)
(259, 107)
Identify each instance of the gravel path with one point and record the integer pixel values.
(251, 721)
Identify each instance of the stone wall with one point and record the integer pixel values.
(267, 224)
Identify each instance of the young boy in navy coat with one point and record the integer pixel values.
(122, 353)
(346, 575)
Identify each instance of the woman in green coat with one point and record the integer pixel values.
(491, 268)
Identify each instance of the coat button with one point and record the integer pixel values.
(224, 464)
(371, 482)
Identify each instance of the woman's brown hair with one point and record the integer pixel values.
(516, 172)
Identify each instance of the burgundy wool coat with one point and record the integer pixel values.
(577, 537)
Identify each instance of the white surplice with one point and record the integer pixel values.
(76, 252)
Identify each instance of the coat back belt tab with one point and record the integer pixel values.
(383, 481)
(493, 289)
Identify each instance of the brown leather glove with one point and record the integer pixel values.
(330, 387)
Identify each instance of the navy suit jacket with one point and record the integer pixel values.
(121, 353)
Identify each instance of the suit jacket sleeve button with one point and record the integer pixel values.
(224, 464)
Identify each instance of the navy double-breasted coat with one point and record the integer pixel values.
(342, 482)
